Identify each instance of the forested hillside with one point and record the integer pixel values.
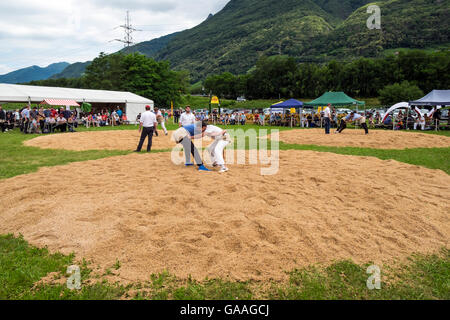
(311, 31)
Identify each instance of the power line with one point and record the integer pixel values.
(129, 29)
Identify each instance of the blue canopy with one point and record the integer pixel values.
(289, 104)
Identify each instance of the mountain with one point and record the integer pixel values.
(416, 24)
(33, 73)
(149, 48)
(315, 31)
(74, 70)
(310, 30)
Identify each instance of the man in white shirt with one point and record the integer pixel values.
(216, 149)
(327, 118)
(187, 118)
(148, 124)
(161, 120)
(61, 123)
(420, 120)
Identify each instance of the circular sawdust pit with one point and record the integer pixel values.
(376, 139)
(154, 216)
(102, 140)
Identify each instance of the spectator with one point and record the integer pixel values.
(17, 118)
(243, 119)
(119, 112)
(138, 118)
(25, 119)
(176, 116)
(187, 118)
(61, 123)
(9, 121)
(2, 119)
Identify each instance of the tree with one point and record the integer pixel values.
(404, 91)
(138, 74)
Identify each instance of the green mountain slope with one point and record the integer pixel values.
(233, 39)
(150, 48)
(74, 70)
(416, 24)
(236, 37)
(33, 73)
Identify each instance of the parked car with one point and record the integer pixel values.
(343, 111)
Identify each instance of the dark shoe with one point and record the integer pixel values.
(137, 151)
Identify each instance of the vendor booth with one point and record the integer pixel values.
(293, 106)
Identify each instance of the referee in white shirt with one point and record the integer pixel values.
(327, 118)
(147, 127)
(187, 118)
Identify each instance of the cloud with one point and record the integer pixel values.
(154, 6)
(42, 32)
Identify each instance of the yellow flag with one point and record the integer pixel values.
(214, 100)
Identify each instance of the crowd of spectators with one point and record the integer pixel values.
(49, 120)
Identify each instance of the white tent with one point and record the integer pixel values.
(134, 104)
(401, 105)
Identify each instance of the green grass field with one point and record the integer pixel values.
(23, 266)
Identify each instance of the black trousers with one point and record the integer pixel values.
(364, 126)
(62, 127)
(327, 125)
(189, 149)
(3, 126)
(343, 126)
(146, 132)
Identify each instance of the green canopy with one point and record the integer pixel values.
(335, 99)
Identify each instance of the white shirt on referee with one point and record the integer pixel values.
(327, 112)
(148, 119)
(187, 119)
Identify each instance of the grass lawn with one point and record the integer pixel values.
(16, 159)
(22, 266)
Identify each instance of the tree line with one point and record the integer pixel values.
(399, 77)
(129, 72)
(406, 75)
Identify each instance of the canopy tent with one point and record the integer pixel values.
(58, 102)
(290, 104)
(133, 103)
(434, 98)
(335, 99)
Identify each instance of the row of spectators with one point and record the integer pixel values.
(36, 121)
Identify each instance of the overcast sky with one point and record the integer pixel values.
(35, 32)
